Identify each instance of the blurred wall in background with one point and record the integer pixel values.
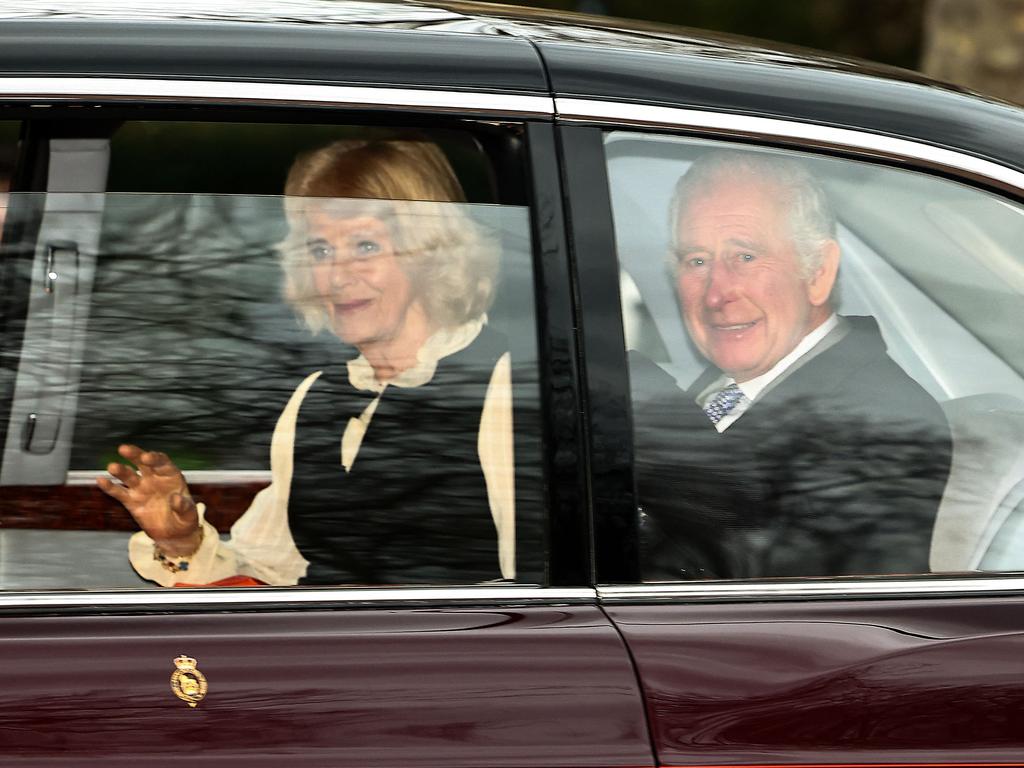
(977, 44)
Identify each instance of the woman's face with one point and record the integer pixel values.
(368, 298)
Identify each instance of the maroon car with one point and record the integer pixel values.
(518, 390)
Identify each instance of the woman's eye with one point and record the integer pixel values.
(366, 248)
(321, 252)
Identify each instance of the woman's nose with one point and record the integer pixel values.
(341, 272)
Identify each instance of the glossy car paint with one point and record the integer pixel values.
(524, 686)
(874, 682)
(683, 77)
(270, 52)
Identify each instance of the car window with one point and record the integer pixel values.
(825, 363)
(325, 332)
(9, 131)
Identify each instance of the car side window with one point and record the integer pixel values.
(826, 372)
(307, 352)
(9, 131)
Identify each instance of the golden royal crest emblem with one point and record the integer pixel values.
(187, 682)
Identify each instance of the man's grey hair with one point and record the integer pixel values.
(812, 222)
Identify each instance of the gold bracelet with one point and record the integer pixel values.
(179, 562)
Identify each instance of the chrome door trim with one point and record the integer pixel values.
(831, 589)
(261, 93)
(770, 128)
(87, 477)
(294, 598)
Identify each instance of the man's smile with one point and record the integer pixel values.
(729, 327)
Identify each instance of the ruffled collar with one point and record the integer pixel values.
(444, 342)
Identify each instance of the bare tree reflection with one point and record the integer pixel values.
(813, 491)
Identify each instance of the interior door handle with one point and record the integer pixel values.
(56, 254)
(40, 435)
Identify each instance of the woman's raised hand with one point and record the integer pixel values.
(157, 497)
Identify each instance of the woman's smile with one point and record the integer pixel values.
(351, 306)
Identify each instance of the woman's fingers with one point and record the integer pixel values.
(156, 477)
(130, 452)
(113, 490)
(155, 494)
(148, 462)
(157, 462)
(128, 476)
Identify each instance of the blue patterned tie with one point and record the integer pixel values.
(721, 405)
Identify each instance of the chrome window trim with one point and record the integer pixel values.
(833, 589)
(263, 93)
(269, 598)
(87, 477)
(770, 128)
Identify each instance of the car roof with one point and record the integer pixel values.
(457, 45)
(307, 41)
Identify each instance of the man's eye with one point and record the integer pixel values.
(694, 261)
(747, 257)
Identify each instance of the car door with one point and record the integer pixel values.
(143, 304)
(787, 663)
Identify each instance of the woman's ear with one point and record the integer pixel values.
(819, 287)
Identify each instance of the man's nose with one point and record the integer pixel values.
(721, 287)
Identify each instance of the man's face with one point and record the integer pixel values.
(744, 300)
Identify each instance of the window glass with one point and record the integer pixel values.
(8, 152)
(825, 362)
(341, 379)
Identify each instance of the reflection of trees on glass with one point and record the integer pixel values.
(189, 343)
(810, 493)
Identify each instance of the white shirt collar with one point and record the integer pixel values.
(755, 386)
(444, 342)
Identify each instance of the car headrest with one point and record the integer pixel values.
(988, 464)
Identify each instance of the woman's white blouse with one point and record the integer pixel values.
(261, 543)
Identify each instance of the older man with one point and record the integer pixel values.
(803, 450)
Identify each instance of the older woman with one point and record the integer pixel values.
(392, 467)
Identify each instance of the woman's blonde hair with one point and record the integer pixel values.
(408, 185)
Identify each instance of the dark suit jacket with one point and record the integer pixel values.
(836, 469)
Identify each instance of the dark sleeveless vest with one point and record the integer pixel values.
(414, 508)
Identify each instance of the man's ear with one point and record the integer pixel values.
(819, 287)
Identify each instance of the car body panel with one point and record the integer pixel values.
(910, 681)
(460, 686)
(270, 53)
